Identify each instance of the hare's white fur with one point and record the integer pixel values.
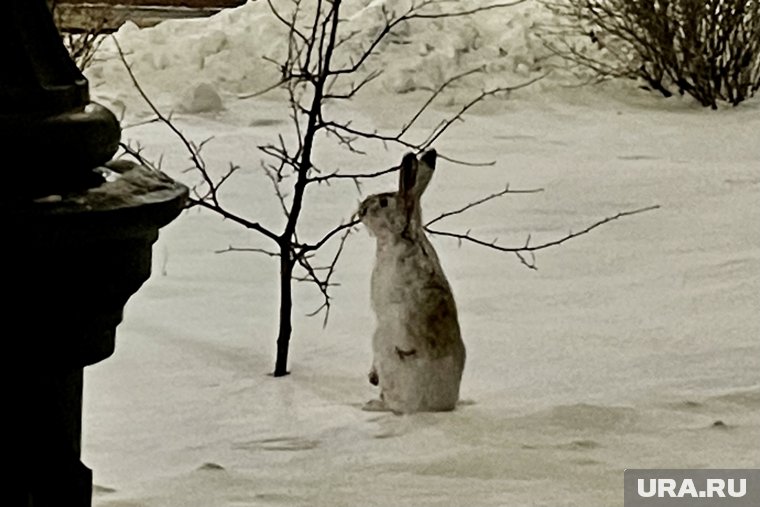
(418, 350)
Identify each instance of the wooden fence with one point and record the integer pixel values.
(108, 15)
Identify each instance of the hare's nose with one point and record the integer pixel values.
(361, 211)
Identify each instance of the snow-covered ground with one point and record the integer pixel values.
(621, 351)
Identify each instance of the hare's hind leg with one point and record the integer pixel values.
(441, 384)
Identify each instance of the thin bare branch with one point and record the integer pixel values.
(139, 123)
(304, 248)
(275, 177)
(353, 134)
(136, 153)
(233, 168)
(528, 248)
(327, 178)
(195, 155)
(325, 282)
(481, 201)
(354, 89)
(290, 24)
(261, 92)
(435, 95)
(415, 11)
(263, 251)
(255, 226)
(438, 132)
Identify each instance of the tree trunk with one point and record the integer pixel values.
(286, 306)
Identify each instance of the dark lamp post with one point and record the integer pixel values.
(47, 122)
(78, 237)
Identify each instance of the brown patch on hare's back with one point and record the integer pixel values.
(440, 321)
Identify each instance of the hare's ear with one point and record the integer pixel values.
(415, 176)
(408, 176)
(425, 170)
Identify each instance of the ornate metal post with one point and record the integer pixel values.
(78, 233)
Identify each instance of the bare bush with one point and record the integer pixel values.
(709, 49)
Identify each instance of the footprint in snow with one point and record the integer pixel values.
(211, 467)
(720, 425)
(637, 157)
(579, 445)
(280, 444)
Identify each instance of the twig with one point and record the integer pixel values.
(191, 149)
(325, 283)
(528, 248)
(436, 94)
(245, 249)
(304, 248)
(415, 11)
(359, 176)
(483, 95)
(483, 200)
(255, 226)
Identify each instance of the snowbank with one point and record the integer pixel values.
(230, 51)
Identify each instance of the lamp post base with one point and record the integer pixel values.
(47, 440)
(73, 263)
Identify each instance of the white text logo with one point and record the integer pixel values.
(715, 488)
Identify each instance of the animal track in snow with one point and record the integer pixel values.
(280, 444)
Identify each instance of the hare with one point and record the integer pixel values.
(418, 351)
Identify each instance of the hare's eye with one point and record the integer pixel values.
(383, 202)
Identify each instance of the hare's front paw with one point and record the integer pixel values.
(373, 378)
(375, 406)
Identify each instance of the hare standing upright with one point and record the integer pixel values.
(418, 350)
